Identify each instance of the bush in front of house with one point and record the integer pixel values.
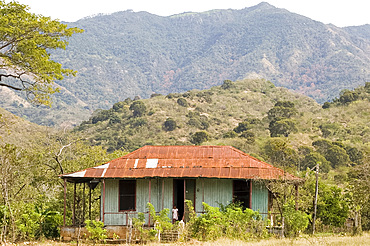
(96, 230)
(230, 221)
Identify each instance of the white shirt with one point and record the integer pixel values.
(175, 213)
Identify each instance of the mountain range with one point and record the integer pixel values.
(128, 54)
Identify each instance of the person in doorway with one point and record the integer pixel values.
(175, 214)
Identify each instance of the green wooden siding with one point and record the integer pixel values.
(168, 195)
(259, 198)
(112, 214)
(142, 194)
(111, 203)
(211, 191)
(215, 191)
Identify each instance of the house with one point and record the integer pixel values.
(167, 175)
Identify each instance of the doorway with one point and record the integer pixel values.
(183, 188)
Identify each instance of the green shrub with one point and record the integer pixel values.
(138, 108)
(162, 218)
(37, 221)
(231, 222)
(295, 221)
(242, 126)
(164, 223)
(182, 102)
(119, 106)
(230, 134)
(96, 231)
(155, 95)
(199, 137)
(249, 136)
(139, 122)
(169, 124)
(228, 84)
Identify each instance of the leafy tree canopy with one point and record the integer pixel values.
(24, 58)
(313, 158)
(138, 108)
(170, 124)
(199, 137)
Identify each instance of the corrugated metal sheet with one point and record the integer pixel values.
(260, 198)
(214, 192)
(183, 162)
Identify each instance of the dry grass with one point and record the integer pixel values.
(305, 240)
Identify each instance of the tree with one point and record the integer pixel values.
(355, 155)
(332, 207)
(182, 102)
(337, 156)
(347, 96)
(25, 62)
(326, 105)
(242, 126)
(311, 159)
(138, 108)
(199, 137)
(169, 124)
(228, 84)
(280, 119)
(282, 109)
(333, 152)
(282, 127)
(249, 136)
(359, 179)
(280, 153)
(332, 203)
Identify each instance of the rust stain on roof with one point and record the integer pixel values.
(185, 161)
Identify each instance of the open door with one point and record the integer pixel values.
(183, 188)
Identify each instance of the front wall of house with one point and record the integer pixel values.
(211, 191)
(112, 214)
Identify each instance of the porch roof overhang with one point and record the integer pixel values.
(224, 162)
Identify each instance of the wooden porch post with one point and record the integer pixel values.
(183, 216)
(250, 194)
(83, 204)
(103, 212)
(162, 194)
(296, 196)
(74, 205)
(89, 202)
(65, 202)
(202, 194)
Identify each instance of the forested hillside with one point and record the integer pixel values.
(128, 54)
(245, 114)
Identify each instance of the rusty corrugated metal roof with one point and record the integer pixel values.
(185, 161)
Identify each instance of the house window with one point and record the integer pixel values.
(127, 195)
(241, 192)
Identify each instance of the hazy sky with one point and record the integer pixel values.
(338, 12)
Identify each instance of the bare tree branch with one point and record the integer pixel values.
(59, 153)
(11, 87)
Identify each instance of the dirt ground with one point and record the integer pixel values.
(303, 240)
